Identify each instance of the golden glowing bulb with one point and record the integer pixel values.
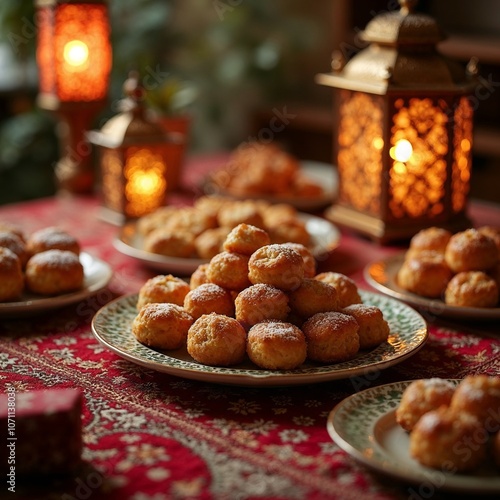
(76, 53)
(378, 143)
(147, 183)
(402, 151)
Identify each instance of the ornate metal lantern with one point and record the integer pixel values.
(405, 124)
(74, 59)
(134, 156)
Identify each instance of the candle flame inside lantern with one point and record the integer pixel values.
(402, 151)
(76, 54)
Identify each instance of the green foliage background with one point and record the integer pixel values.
(228, 57)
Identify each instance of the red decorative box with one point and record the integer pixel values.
(42, 431)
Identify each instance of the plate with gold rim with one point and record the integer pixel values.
(324, 235)
(382, 275)
(364, 425)
(408, 333)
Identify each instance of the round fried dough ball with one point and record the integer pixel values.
(373, 328)
(290, 231)
(276, 265)
(149, 222)
(199, 276)
(347, 290)
(54, 272)
(162, 325)
(52, 238)
(426, 274)
(313, 296)
(246, 239)
(217, 340)
(229, 270)
(260, 302)
(190, 220)
(240, 212)
(492, 232)
(471, 250)
(439, 438)
(479, 396)
(275, 214)
(210, 204)
(276, 345)
(170, 242)
(420, 397)
(11, 275)
(208, 298)
(472, 289)
(431, 238)
(163, 288)
(210, 242)
(307, 257)
(9, 227)
(15, 244)
(331, 337)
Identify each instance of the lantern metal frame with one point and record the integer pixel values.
(401, 67)
(132, 130)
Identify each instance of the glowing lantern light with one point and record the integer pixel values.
(74, 59)
(76, 55)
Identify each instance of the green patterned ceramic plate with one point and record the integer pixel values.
(112, 327)
(382, 276)
(364, 425)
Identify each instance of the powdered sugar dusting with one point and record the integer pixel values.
(55, 258)
(276, 329)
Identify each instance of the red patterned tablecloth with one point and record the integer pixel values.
(152, 436)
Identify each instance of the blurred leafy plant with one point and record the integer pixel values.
(171, 97)
(28, 149)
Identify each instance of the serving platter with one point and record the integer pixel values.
(97, 275)
(382, 275)
(364, 425)
(129, 241)
(323, 174)
(408, 333)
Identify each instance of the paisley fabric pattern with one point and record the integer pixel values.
(150, 435)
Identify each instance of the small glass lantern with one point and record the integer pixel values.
(134, 159)
(405, 125)
(74, 59)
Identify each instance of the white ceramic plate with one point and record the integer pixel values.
(129, 241)
(364, 425)
(97, 274)
(382, 276)
(112, 327)
(324, 174)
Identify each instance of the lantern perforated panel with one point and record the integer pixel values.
(418, 174)
(82, 52)
(462, 155)
(112, 179)
(360, 150)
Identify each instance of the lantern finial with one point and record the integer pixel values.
(408, 6)
(338, 61)
(473, 66)
(132, 88)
